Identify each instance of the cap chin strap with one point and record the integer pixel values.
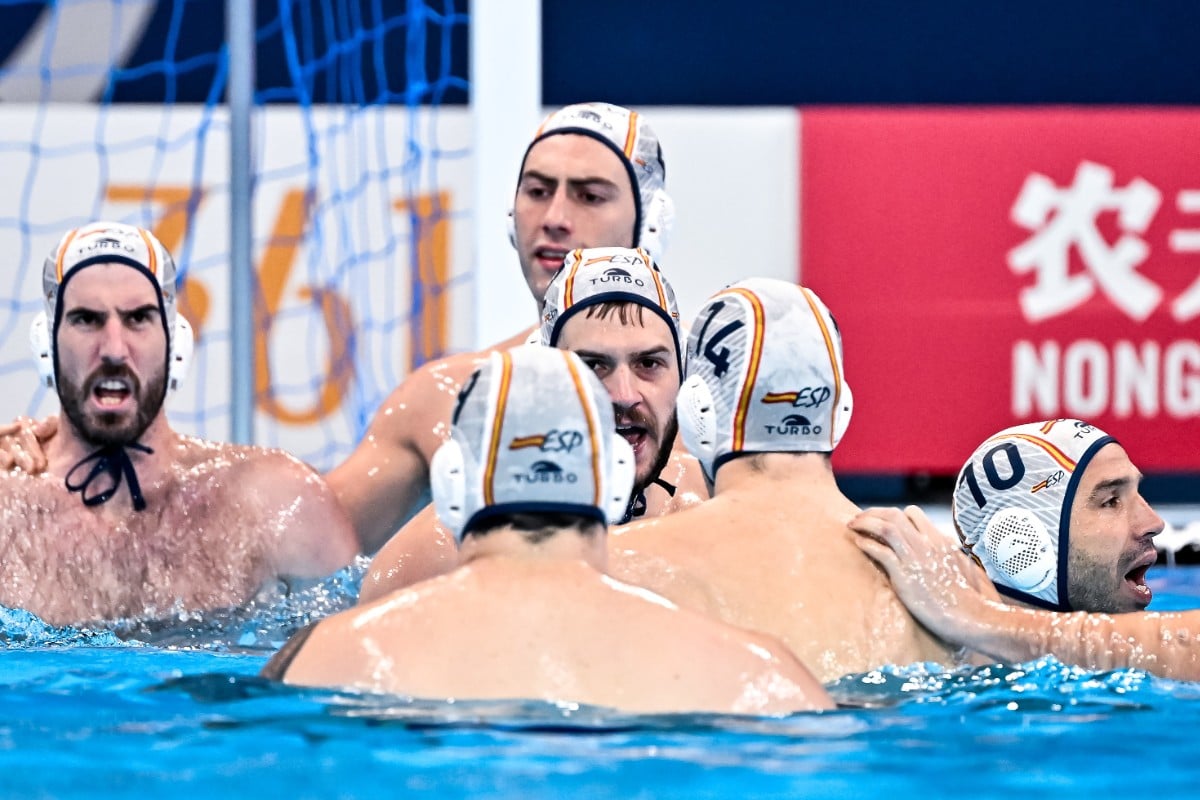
(114, 461)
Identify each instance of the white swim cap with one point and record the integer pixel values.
(609, 275)
(533, 432)
(1012, 505)
(109, 243)
(628, 135)
(765, 375)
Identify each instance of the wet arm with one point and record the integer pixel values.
(937, 583)
(1165, 644)
(314, 535)
(381, 482)
(421, 549)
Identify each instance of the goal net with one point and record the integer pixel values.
(115, 109)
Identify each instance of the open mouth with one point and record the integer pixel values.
(636, 435)
(111, 392)
(1136, 578)
(551, 258)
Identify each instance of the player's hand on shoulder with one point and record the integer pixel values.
(22, 443)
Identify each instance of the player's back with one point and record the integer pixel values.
(510, 628)
(780, 561)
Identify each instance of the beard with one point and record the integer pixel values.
(665, 444)
(103, 429)
(1089, 586)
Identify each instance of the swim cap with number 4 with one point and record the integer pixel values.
(764, 375)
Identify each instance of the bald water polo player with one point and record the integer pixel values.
(530, 612)
(131, 519)
(764, 405)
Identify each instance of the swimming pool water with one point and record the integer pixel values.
(88, 716)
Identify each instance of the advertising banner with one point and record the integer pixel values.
(995, 266)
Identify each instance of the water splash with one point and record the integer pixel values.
(261, 625)
(1044, 684)
(20, 628)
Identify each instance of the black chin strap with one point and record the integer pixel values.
(115, 462)
(637, 504)
(670, 488)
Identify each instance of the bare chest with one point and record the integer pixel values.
(195, 546)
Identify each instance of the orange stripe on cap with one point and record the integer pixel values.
(1058, 455)
(631, 135)
(658, 284)
(743, 408)
(831, 349)
(62, 251)
(593, 427)
(153, 259)
(569, 289)
(489, 474)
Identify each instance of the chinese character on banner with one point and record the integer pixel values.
(997, 266)
(1184, 240)
(1062, 218)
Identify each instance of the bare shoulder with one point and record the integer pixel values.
(430, 391)
(683, 472)
(425, 399)
(243, 467)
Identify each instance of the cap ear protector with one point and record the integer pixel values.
(180, 360)
(697, 416)
(842, 414)
(658, 220)
(1019, 547)
(622, 471)
(39, 343)
(448, 483)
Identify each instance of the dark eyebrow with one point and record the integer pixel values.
(662, 350)
(1113, 483)
(139, 310)
(585, 181)
(592, 354)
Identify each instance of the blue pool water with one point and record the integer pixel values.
(89, 716)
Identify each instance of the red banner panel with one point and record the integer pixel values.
(995, 266)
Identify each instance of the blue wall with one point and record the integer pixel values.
(691, 52)
(759, 52)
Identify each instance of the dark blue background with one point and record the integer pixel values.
(688, 52)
